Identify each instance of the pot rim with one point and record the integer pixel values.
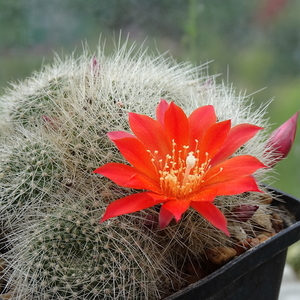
(255, 256)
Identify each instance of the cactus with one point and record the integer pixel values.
(68, 255)
(54, 135)
(30, 170)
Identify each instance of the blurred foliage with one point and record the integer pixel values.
(293, 257)
(254, 44)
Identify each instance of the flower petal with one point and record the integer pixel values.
(165, 217)
(230, 169)
(212, 214)
(136, 154)
(234, 187)
(116, 135)
(199, 121)
(129, 205)
(161, 110)
(237, 136)
(177, 207)
(176, 125)
(206, 195)
(127, 176)
(151, 134)
(213, 139)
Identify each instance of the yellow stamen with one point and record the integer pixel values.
(181, 173)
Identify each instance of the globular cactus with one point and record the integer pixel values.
(68, 255)
(30, 170)
(54, 135)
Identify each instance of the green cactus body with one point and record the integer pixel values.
(30, 170)
(71, 256)
(28, 110)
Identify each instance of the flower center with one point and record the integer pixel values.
(181, 173)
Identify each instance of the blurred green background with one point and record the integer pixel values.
(254, 44)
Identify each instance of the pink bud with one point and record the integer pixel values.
(244, 212)
(282, 139)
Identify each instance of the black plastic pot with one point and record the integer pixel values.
(254, 275)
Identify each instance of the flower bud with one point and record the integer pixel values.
(282, 139)
(244, 212)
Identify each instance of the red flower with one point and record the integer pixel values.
(181, 162)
